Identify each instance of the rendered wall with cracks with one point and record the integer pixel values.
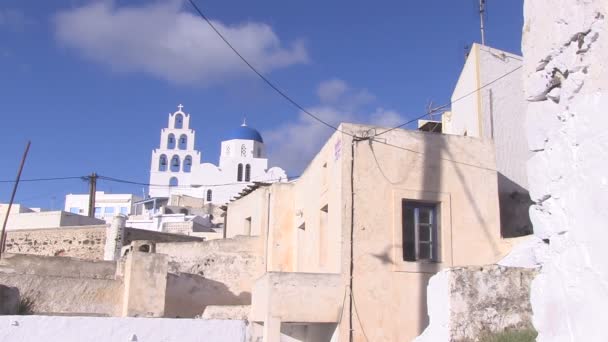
(565, 80)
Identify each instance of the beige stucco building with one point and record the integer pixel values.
(391, 210)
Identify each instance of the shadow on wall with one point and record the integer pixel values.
(189, 294)
(515, 204)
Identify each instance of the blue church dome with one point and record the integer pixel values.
(245, 133)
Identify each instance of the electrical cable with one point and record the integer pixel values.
(454, 101)
(294, 103)
(440, 158)
(45, 179)
(118, 180)
(260, 75)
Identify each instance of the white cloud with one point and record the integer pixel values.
(293, 145)
(331, 90)
(338, 93)
(167, 42)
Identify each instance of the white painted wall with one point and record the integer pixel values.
(464, 117)
(156, 222)
(503, 110)
(48, 219)
(203, 177)
(566, 129)
(119, 329)
(109, 205)
(496, 112)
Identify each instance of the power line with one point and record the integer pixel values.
(419, 152)
(118, 180)
(452, 102)
(260, 75)
(46, 179)
(293, 102)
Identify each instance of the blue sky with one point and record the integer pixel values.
(91, 82)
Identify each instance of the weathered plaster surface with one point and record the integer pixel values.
(298, 297)
(468, 302)
(227, 312)
(145, 284)
(565, 49)
(217, 272)
(63, 285)
(114, 329)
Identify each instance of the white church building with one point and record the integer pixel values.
(176, 167)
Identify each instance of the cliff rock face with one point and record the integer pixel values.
(566, 83)
(466, 303)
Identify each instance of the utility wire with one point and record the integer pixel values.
(44, 179)
(118, 180)
(452, 102)
(125, 181)
(419, 152)
(293, 102)
(260, 75)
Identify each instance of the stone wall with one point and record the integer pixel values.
(77, 242)
(466, 303)
(566, 80)
(63, 285)
(86, 242)
(217, 272)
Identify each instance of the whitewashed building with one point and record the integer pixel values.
(176, 167)
(496, 112)
(106, 205)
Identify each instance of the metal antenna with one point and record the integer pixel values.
(482, 10)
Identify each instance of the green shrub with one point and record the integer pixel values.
(527, 335)
(26, 306)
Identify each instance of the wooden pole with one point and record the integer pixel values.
(482, 10)
(10, 203)
(92, 190)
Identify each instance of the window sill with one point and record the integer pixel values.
(418, 266)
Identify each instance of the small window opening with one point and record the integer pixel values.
(179, 121)
(247, 173)
(209, 195)
(239, 173)
(175, 164)
(187, 164)
(248, 226)
(183, 142)
(420, 231)
(171, 141)
(162, 163)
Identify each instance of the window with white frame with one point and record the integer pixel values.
(420, 231)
